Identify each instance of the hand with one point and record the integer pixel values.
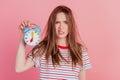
(23, 24)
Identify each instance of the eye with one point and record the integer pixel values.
(66, 22)
(57, 22)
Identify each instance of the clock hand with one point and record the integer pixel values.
(32, 34)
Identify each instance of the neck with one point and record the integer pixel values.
(62, 42)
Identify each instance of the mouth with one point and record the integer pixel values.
(60, 32)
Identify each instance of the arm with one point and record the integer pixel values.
(86, 64)
(22, 63)
(82, 75)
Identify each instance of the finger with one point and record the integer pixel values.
(23, 24)
(28, 24)
(32, 25)
(21, 27)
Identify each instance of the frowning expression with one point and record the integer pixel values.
(61, 25)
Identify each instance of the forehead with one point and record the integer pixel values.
(61, 16)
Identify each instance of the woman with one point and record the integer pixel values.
(59, 55)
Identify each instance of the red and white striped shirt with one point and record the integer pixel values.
(64, 71)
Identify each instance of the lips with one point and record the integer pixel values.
(60, 32)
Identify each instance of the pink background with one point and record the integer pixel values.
(99, 26)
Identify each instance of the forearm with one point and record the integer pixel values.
(82, 75)
(20, 57)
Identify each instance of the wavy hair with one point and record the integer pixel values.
(48, 45)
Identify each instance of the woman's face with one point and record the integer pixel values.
(61, 25)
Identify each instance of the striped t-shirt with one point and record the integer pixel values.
(64, 71)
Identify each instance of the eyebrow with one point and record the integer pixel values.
(66, 21)
(63, 21)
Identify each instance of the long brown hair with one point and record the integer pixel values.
(48, 44)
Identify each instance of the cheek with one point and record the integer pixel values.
(66, 29)
(56, 26)
(56, 29)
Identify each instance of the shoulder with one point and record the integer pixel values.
(82, 47)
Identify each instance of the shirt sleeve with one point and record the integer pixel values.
(35, 60)
(86, 60)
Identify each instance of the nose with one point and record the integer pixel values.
(61, 26)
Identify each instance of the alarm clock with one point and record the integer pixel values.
(32, 37)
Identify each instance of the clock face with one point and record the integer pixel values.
(32, 37)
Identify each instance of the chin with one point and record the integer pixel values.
(61, 36)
